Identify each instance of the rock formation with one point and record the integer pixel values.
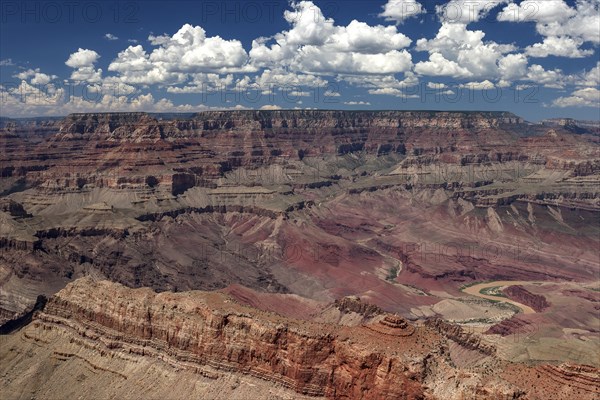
(365, 221)
(201, 332)
(536, 301)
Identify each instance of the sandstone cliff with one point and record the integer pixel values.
(522, 295)
(103, 324)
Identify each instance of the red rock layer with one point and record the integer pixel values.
(209, 328)
(522, 295)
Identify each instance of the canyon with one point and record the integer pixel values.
(311, 253)
(212, 335)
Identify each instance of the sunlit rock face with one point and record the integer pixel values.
(373, 219)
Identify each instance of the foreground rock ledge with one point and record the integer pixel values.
(193, 331)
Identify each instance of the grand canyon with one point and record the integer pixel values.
(299, 254)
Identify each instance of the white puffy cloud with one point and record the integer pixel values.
(548, 78)
(436, 86)
(87, 74)
(82, 58)
(373, 82)
(110, 36)
(440, 66)
(362, 38)
(134, 66)
(314, 50)
(585, 25)
(558, 46)
(316, 59)
(27, 100)
(565, 28)
(485, 85)
(270, 107)
(590, 78)
(388, 91)
(270, 78)
(512, 66)
(588, 97)
(461, 53)
(202, 83)
(29, 95)
(37, 77)
(542, 11)
(188, 51)
(297, 93)
(399, 10)
(83, 61)
(466, 11)
(314, 44)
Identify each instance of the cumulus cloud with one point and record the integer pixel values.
(35, 77)
(83, 61)
(565, 29)
(135, 67)
(399, 10)
(270, 107)
(82, 58)
(437, 86)
(548, 78)
(188, 51)
(440, 66)
(373, 82)
(512, 66)
(313, 53)
(27, 100)
(466, 11)
(590, 78)
(563, 46)
(588, 97)
(318, 60)
(202, 83)
(314, 44)
(279, 77)
(461, 53)
(485, 85)
(542, 11)
(393, 92)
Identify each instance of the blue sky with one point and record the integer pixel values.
(537, 58)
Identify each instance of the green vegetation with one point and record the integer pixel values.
(392, 274)
(478, 321)
(492, 291)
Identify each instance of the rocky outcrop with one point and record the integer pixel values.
(511, 326)
(522, 295)
(210, 329)
(583, 377)
(354, 304)
(458, 334)
(103, 324)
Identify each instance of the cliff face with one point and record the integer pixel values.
(103, 324)
(522, 295)
(316, 204)
(113, 150)
(209, 329)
